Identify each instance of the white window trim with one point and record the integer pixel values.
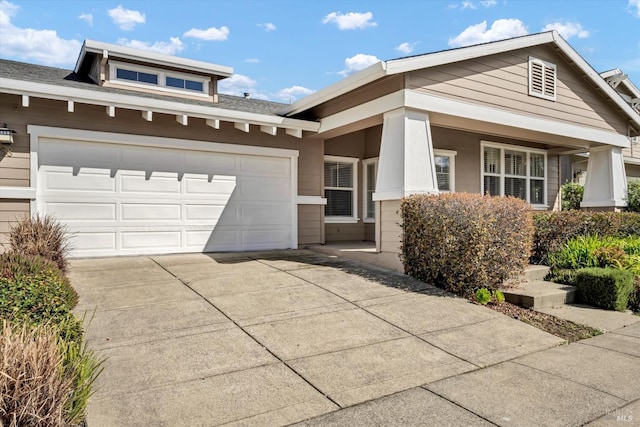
(555, 78)
(365, 184)
(502, 173)
(452, 167)
(162, 76)
(345, 219)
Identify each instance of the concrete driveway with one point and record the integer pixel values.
(275, 338)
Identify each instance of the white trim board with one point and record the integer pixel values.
(17, 193)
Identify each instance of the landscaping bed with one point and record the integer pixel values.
(559, 327)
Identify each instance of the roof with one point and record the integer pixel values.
(624, 81)
(114, 50)
(68, 78)
(418, 62)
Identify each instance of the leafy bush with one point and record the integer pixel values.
(572, 194)
(554, 229)
(498, 296)
(483, 296)
(634, 296)
(43, 379)
(34, 290)
(43, 236)
(608, 288)
(464, 241)
(633, 196)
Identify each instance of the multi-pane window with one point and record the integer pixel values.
(445, 169)
(370, 167)
(514, 171)
(169, 81)
(340, 183)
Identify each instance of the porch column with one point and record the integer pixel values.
(606, 184)
(406, 164)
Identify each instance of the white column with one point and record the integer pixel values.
(606, 183)
(406, 165)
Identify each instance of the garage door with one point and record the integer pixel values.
(125, 199)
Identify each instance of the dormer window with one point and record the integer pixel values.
(163, 80)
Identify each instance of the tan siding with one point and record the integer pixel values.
(14, 171)
(502, 81)
(369, 232)
(391, 232)
(309, 224)
(633, 171)
(11, 211)
(344, 232)
(359, 96)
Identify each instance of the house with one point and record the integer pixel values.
(138, 153)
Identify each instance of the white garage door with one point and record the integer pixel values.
(123, 199)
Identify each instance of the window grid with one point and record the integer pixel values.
(340, 179)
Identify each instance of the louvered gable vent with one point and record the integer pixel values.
(542, 79)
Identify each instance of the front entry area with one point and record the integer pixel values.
(126, 199)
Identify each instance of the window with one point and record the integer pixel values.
(370, 167)
(445, 161)
(542, 79)
(169, 81)
(514, 171)
(340, 184)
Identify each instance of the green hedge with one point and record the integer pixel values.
(607, 288)
(464, 241)
(554, 229)
(34, 290)
(572, 194)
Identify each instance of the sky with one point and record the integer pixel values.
(284, 50)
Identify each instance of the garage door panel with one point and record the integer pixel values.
(218, 185)
(150, 239)
(94, 241)
(139, 182)
(63, 178)
(147, 200)
(151, 212)
(70, 212)
(264, 189)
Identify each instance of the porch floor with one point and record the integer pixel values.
(363, 251)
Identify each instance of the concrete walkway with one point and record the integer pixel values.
(276, 338)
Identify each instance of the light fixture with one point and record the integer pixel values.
(6, 135)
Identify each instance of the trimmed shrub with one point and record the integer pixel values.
(483, 296)
(554, 229)
(607, 288)
(463, 241)
(42, 236)
(44, 380)
(633, 196)
(572, 194)
(34, 290)
(634, 296)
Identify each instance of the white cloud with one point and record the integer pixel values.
(350, 21)
(357, 62)
(406, 47)
(468, 5)
(268, 26)
(488, 3)
(126, 19)
(292, 93)
(238, 85)
(42, 46)
(86, 17)
(213, 33)
(568, 29)
(252, 60)
(172, 47)
(500, 29)
(634, 7)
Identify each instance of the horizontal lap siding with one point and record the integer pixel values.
(633, 171)
(11, 211)
(14, 171)
(310, 224)
(502, 81)
(390, 229)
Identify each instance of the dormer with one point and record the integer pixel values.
(131, 69)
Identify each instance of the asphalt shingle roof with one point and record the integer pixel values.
(68, 78)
